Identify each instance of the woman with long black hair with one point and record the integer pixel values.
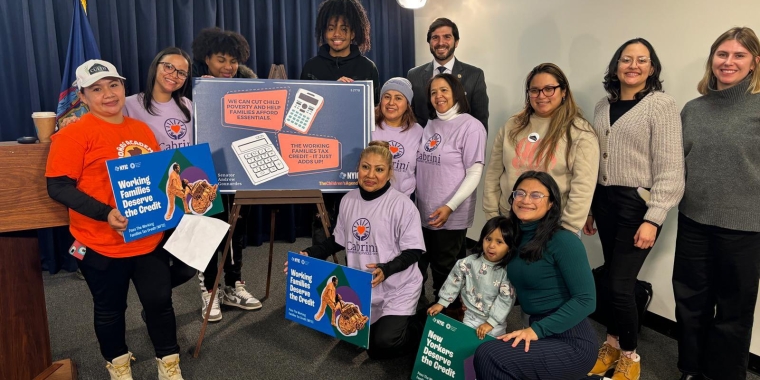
(551, 276)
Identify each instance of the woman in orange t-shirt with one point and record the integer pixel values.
(77, 177)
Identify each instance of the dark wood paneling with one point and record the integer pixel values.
(23, 192)
(25, 348)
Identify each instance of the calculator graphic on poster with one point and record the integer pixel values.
(303, 110)
(260, 158)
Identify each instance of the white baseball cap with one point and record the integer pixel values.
(94, 70)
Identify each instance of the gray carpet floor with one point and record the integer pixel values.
(259, 344)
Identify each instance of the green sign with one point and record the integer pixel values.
(446, 350)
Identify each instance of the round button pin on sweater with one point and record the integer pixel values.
(533, 137)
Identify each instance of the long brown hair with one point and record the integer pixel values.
(565, 117)
(407, 119)
(749, 40)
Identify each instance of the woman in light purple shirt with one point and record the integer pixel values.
(396, 124)
(449, 166)
(380, 230)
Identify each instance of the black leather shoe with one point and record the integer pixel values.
(691, 377)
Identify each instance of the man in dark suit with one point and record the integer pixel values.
(443, 37)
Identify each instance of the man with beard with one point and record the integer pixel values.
(443, 37)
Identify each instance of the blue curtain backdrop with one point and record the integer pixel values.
(129, 34)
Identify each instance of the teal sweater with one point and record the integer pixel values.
(560, 283)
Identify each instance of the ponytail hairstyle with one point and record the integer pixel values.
(382, 149)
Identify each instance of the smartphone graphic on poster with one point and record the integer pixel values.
(303, 110)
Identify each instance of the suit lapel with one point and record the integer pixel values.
(427, 74)
(457, 70)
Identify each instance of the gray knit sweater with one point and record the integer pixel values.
(721, 132)
(643, 149)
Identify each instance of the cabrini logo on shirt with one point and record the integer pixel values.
(176, 129)
(430, 146)
(396, 149)
(432, 143)
(361, 229)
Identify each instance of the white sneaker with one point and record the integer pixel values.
(216, 312)
(168, 368)
(120, 368)
(240, 297)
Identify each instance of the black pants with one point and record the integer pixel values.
(444, 247)
(715, 281)
(108, 280)
(392, 336)
(619, 212)
(568, 355)
(233, 264)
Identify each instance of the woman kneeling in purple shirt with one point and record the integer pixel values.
(388, 245)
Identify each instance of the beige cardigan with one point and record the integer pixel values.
(576, 177)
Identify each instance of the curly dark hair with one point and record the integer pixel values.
(211, 41)
(354, 15)
(612, 83)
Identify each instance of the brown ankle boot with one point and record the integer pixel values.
(606, 360)
(627, 369)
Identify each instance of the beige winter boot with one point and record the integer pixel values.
(119, 368)
(168, 368)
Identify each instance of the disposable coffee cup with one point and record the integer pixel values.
(44, 123)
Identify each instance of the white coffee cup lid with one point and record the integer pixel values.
(43, 114)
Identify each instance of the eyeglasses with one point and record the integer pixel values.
(169, 68)
(536, 196)
(548, 91)
(627, 61)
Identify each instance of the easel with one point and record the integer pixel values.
(263, 197)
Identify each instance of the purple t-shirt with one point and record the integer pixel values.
(375, 232)
(447, 150)
(169, 125)
(404, 146)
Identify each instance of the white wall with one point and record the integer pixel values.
(507, 38)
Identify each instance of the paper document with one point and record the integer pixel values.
(195, 240)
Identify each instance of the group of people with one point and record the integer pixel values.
(551, 176)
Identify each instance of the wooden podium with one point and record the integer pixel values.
(25, 340)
